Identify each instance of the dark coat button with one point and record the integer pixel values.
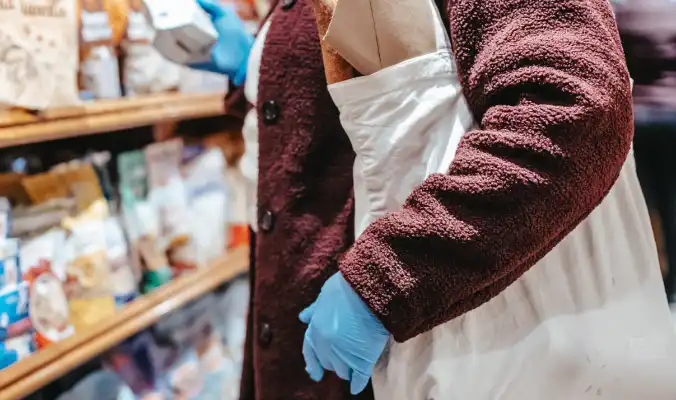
(287, 4)
(270, 111)
(267, 221)
(265, 335)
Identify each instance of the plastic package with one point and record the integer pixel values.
(88, 274)
(208, 199)
(142, 221)
(10, 267)
(38, 41)
(123, 281)
(5, 221)
(49, 310)
(168, 195)
(14, 311)
(145, 70)
(99, 70)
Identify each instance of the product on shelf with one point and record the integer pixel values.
(142, 221)
(44, 187)
(124, 282)
(99, 69)
(168, 194)
(208, 203)
(49, 309)
(145, 71)
(38, 41)
(10, 268)
(5, 214)
(88, 274)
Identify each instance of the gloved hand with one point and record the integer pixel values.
(230, 53)
(343, 335)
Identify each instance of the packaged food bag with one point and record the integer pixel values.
(145, 70)
(10, 267)
(99, 70)
(168, 195)
(39, 46)
(49, 310)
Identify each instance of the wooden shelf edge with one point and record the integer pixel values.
(106, 116)
(56, 360)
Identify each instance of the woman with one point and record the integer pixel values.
(447, 273)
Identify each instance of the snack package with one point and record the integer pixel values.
(82, 183)
(88, 273)
(123, 281)
(145, 70)
(167, 193)
(5, 215)
(32, 221)
(49, 310)
(39, 42)
(44, 187)
(141, 220)
(14, 312)
(208, 199)
(99, 69)
(20, 346)
(10, 266)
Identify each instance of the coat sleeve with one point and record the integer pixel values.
(547, 82)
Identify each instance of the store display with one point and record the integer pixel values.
(99, 68)
(38, 41)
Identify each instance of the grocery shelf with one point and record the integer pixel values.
(31, 374)
(21, 127)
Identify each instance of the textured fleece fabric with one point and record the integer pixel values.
(548, 84)
(545, 79)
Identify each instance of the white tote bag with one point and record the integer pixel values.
(589, 321)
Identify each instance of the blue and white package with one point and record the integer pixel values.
(10, 267)
(14, 307)
(5, 220)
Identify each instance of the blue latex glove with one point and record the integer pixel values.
(343, 335)
(230, 53)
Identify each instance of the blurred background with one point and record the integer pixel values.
(648, 33)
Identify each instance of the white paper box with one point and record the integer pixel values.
(183, 31)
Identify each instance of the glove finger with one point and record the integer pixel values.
(212, 8)
(341, 368)
(306, 315)
(312, 364)
(358, 382)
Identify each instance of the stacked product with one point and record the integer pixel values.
(69, 258)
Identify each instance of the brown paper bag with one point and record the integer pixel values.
(374, 34)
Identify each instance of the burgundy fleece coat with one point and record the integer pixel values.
(547, 82)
